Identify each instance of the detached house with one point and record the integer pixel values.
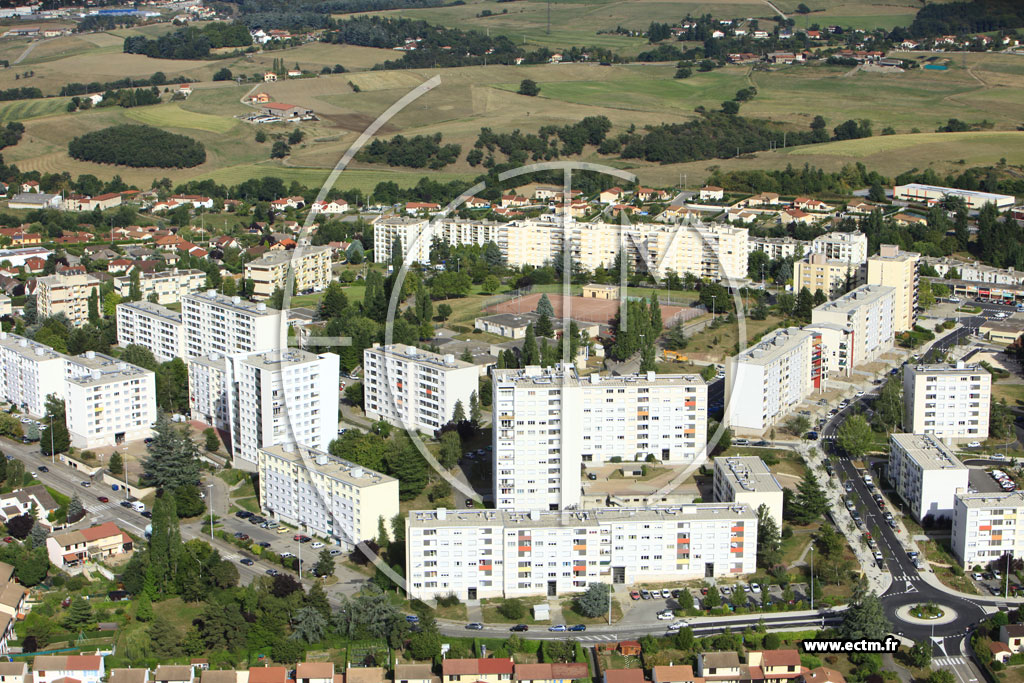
(722, 667)
(552, 672)
(673, 674)
(476, 670)
(174, 674)
(776, 666)
(75, 548)
(314, 672)
(333, 206)
(1013, 636)
(611, 195)
(710, 192)
(82, 668)
(24, 501)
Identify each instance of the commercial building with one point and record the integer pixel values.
(868, 313)
(950, 401)
(155, 327)
(926, 474)
(502, 553)
(35, 200)
(215, 323)
(324, 495)
(415, 389)
(169, 286)
(311, 267)
(897, 269)
(848, 247)
(832, 277)
(108, 402)
(933, 194)
(281, 398)
(764, 382)
(29, 372)
(985, 527)
(67, 294)
(747, 480)
(548, 423)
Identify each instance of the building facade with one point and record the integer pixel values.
(832, 277)
(897, 269)
(950, 401)
(168, 286)
(932, 194)
(311, 267)
(926, 474)
(747, 480)
(67, 294)
(208, 390)
(502, 553)
(155, 327)
(108, 402)
(848, 247)
(215, 323)
(985, 527)
(29, 372)
(868, 313)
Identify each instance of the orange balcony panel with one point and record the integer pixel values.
(525, 548)
(689, 431)
(582, 546)
(485, 567)
(689, 404)
(736, 550)
(987, 527)
(736, 539)
(642, 413)
(579, 568)
(683, 540)
(737, 528)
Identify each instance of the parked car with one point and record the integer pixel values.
(645, 594)
(558, 628)
(243, 514)
(666, 615)
(475, 626)
(974, 444)
(317, 545)
(634, 595)
(577, 627)
(43, 468)
(412, 618)
(520, 628)
(247, 562)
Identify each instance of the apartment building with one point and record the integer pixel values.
(932, 194)
(747, 480)
(503, 553)
(533, 242)
(950, 401)
(415, 389)
(779, 247)
(868, 313)
(155, 327)
(168, 286)
(710, 251)
(208, 390)
(985, 527)
(67, 294)
(108, 402)
(848, 247)
(836, 349)
(215, 323)
(414, 235)
(766, 381)
(832, 277)
(324, 495)
(29, 372)
(548, 423)
(897, 269)
(926, 474)
(310, 265)
(284, 398)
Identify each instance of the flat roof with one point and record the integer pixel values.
(928, 452)
(215, 298)
(587, 517)
(156, 310)
(749, 473)
(959, 368)
(315, 460)
(954, 191)
(28, 347)
(562, 375)
(989, 500)
(406, 352)
(774, 346)
(274, 258)
(276, 359)
(856, 298)
(102, 369)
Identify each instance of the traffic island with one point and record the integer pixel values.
(926, 613)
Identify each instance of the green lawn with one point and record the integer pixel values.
(22, 110)
(171, 115)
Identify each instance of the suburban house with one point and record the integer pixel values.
(166, 673)
(333, 206)
(129, 676)
(269, 77)
(719, 666)
(410, 673)
(611, 195)
(82, 668)
(74, 548)
(551, 672)
(24, 501)
(763, 199)
(268, 674)
(1013, 636)
(822, 674)
(710, 192)
(12, 600)
(673, 674)
(476, 670)
(315, 672)
(624, 676)
(13, 672)
(776, 665)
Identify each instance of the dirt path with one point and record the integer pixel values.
(28, 48)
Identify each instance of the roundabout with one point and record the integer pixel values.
(926, 614)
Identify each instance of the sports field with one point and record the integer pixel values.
(589, 310)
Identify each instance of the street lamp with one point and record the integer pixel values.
(812, 575)
(713, 296)
(53, 457)
(210, 489)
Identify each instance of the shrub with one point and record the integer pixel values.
(449, 600)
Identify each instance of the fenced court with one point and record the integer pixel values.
(589, 310)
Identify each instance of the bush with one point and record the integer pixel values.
(137, 146)
(512, 608)
(449, 600)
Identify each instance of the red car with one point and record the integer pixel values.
(104, 499)
(635, 595)
(8, 539)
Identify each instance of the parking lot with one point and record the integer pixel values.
(647, 603)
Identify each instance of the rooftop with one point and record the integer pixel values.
(928, 452)
(588, 517)
(748, 472)
(566, 375)
(990, 500)
(447, 361)
(958, 368)
(27, 347)
(93, 368)
(152, 309)
(855, 299)
(315, 460)
(237, 303)
(954, 191)
(278, 359)
(891, 252)
(774, 346)
(274, 258)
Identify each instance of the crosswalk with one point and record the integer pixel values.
(949, 661)
(599, 637)
(99, 507)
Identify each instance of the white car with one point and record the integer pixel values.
(954, 299)
(287, 554)
(755, 587)
(317, 545)
(974, 444)
(676, 625)
(976, 576)
(666, 615)
(1000, 314)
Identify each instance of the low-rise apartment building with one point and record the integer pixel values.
(779, 247)
(747, 480)
(168, 286)
(502, 553)
(325, 495)
(950, 401)
(897, 269)
(833, 277)
(415, 389)
(29, 372)
(155, 327)
(868, 313)
(311, 267)
(764, 382)
(108, 402)
(985, 527)
(549, 422)
(926, 474)
(67, 294)
(215, 323)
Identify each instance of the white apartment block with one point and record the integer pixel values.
(832, 277)
(215, 323)
(779, 247)
(324, 495)
(169, 286)
(108, 402)
(502, 553)
(548, 423)
(155, 327)
(415, 389)
(311, 267)
(985, 527)
(848, 247)
(868, 313)
(29, 372)
(712, 251)
(767, 380)
(283, 398)
(897, 269)
(67, 294)
(926, 474)
(208, 390)
(747, 480)
(950, 401)
(836, 349)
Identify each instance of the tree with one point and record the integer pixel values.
(116, 463)
(731, 107)
(798, 425)
(296, 136)
(675, 338)
(451, 449)
(769, 541)
(458, 413)
(212, 440)
(37, 536)
(528, 87)
(544, 327)
(713, 598)
(865, 618)
(804, 304)
(854, 437)
(920, 655)
(280, 150)
(512, 608)
(812, 503)
(309, 625)
(75, 509)
(475, 414)
(531, 356)
(166, 640)
(31, 568)
(544, 306)
(443, 311)
(173, 458)
(79, 615)
(261, 136)
(54, 437)
(491, 284)
(941, 676)
(223, 74)
(94, 307)
(20, 526)
(144, 609)
(594, 602)
(354, 394)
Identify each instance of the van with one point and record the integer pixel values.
(138, 506)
